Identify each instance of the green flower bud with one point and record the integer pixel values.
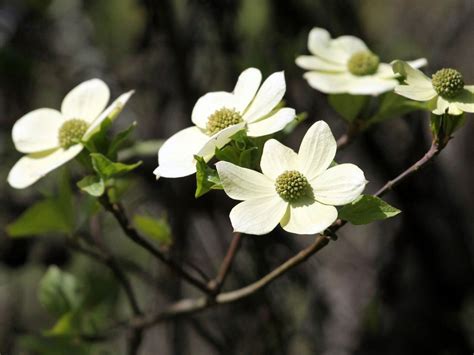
(221, 119)
(292, 186)
(71, 132)
(363, 63)
(448, 82)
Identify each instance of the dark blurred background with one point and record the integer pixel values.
(403, 286)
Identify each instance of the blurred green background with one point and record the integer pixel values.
(404, 286)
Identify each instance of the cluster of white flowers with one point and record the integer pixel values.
(300, 190)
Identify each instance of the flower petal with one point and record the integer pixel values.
(329, 83)
(37, 130)
(86, 101)
(244, 184)
(349, 45)
(246, 88)
(176, 155)
(317, 150)
(339, 185)
(208, 104)
(269, 95)
(321, 45)
(311, 62)
(113, 110)
(31, 168)
(219, 140)
(277, 158)
(258, 216)
(272, 124)
(416, 93)
(411, 75)
(465, 101)
(385, 70)
(370, 85)
(310, 218)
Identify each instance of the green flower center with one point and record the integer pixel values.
(221, 119)
(448, 82)
(363, 63)
(292, 186)
(71, 132)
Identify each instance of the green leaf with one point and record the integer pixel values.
(93, 185)
(367, 209)
(206, 178)
(47, 216)
(68, 323)
(107, 168)
(348, 106)
(229, 153)
(157, 229)
(54, 345)
(120, 140)
(60, 292)
(392, 105)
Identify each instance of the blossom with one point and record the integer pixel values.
(297, 190)
(445, 90)
(50, 138)
(219, 115)
(346, 65)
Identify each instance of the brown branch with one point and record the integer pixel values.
(216, 284)
(119, 213)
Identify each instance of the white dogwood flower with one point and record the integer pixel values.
(50, 138)
(299, 191)
(346, 65)
(219, 115)
(445, 90)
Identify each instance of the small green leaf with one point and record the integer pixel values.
(47, 216)
(93, 185)
(157, 229)
(367, 209)
(348, 106)
(120, 140)
(60, 292)
(107, 168)
(206, 178)
(54, 345)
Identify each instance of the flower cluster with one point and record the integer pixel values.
(299, 191)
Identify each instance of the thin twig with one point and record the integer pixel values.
(119, 213)
(216, 284)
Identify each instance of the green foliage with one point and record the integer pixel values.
(54, 345)
(367, 209)
(157, 229)
(51, 215)
(93, 185)
(60, 292)
(107, 168)
(120, 140)
(206, 178)
(348, 106)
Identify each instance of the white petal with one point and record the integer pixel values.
(86, 101)
(339, 185)
(277, 158)
(321, 45)
(37, 130)
(272, 124)
(443, 106)
(219, 140)
(31, 168)
(317, 150)
(246, 88)
(453, 109)
(412, 76)
(310, 218)
(350, 45)
(329, 83)
(176, 155)
(418, 63)
(270, 94)
(244, 184)
(465, 101)
(416, 93)
(370, 85)
(258, 216)
(113, 110)
(311, 62)
(208, 104)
